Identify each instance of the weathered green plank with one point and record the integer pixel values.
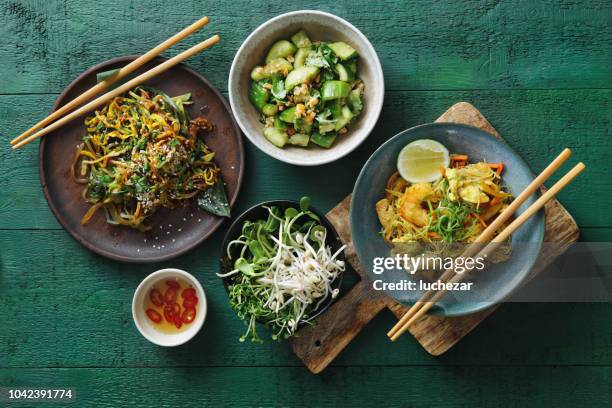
(355, 387)
(429, 45)
(537, 70)
(596, 234)
(66, 307)
(538, 124)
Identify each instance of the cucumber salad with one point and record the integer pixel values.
(307, 91)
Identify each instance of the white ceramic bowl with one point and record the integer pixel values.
(319, 26)
(144, 325)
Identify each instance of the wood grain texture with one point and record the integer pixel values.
(539, 71)
(347, 386)
(429, 45)
(66, 307)
(319, 345)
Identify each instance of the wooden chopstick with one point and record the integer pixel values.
(509, 230)
(123, 88)
(488, 233)
(102, 86)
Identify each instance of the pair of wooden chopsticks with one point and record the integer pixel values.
(428, 300)
(29, 135)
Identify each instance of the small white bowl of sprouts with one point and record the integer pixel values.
(282, 265)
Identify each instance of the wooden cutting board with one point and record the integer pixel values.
(318, 345)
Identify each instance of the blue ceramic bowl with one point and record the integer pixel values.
(497, 281)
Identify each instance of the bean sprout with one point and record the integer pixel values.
(283, 271)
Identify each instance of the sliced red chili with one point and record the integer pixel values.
(178, 322)
(189, 315)
(169, 313)
(173, 284)
(170, 295)
(176, 309)
(189, 292)
(154, 316)
(190, 302)
(156, 297)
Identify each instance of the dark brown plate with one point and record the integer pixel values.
(175, 231)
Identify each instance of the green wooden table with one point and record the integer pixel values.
(540, 71)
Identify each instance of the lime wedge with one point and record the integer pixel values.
(421, 160)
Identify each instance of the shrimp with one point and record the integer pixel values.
(410, 203)
(385, 213)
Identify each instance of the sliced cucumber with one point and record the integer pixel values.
(288, 115)
(345, 119)
(344, 74)
(280, 49)
(336, 108)
(258, 95)
(299, 139)
(343, 50)
(334, 90)
(269, 109)
(300, 39)
(323, 140)
(326, 127)
(258, 73)
(279, 124)
(300, 57)
(351, 66)
(276, 136)
(278, 66)
(301, 75)
(354, 102)
(302, 126)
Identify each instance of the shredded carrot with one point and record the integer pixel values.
(499, 167)
(495, 201)
(433, 234)
(479, 218)
(443, 171)
(459, 157)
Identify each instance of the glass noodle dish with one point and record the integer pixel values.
(142, 152)
(453, 206)
(281, 270)
(307, 92)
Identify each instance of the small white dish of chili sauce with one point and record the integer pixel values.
(169, 307)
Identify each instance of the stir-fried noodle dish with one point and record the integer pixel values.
(456, 208)
(141, 152)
